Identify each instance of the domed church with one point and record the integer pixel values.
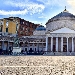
(60, 33)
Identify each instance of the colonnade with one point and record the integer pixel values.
(57, 40)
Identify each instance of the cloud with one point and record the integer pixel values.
(45, 2)
(2, 12)
(71, 2)
(31, 7)
(53, 2)
(42, 17)
(36, 22)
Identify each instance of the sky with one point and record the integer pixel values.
(36, 11)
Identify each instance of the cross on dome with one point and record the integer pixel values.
(65, 10)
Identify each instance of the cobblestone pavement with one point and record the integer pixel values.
(37, 65)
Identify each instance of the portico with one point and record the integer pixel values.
(60, 44)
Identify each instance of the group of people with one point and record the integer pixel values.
(5, 52)
(32, 52)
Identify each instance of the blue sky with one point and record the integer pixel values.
(36, 11)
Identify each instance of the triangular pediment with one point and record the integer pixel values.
(64, 30)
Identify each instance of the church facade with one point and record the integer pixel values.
(60, 33)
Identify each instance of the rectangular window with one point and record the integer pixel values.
(7, 24)
(6, 29)
(0, 29)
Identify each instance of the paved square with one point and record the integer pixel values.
(37, 65)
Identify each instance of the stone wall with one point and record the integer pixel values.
(39, 32)
(37, 65)
(54, 25)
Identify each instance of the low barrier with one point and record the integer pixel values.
(59, 53)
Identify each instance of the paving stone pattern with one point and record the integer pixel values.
(37, 65)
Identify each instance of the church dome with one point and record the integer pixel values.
(40, 28)
(63, 14)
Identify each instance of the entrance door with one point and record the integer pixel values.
(64, 48)
(54, 48)
(30, 50)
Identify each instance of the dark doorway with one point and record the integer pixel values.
(26, 49)
(30, 50)
(64, 48)
(54, 48)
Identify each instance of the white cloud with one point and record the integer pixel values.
(42, 17)
(53, 2)
(71, 4)
(31, 7)
(45, 2)
(2, 12)
(36, 22)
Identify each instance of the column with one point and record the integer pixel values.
(61, 44)
(46, 43)
(72, 45)
(51, 43)
(67, 44)
(12, 45)
(33, 46)
(23, 45)
(28, 46)
(42, 45)
(3, 44)
(37, 46)
(56, 44)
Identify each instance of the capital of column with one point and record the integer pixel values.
(67, 37)
(72, 37)
(52, 37)
(46, 36)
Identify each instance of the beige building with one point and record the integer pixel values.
(8, 26)
(7, 34)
